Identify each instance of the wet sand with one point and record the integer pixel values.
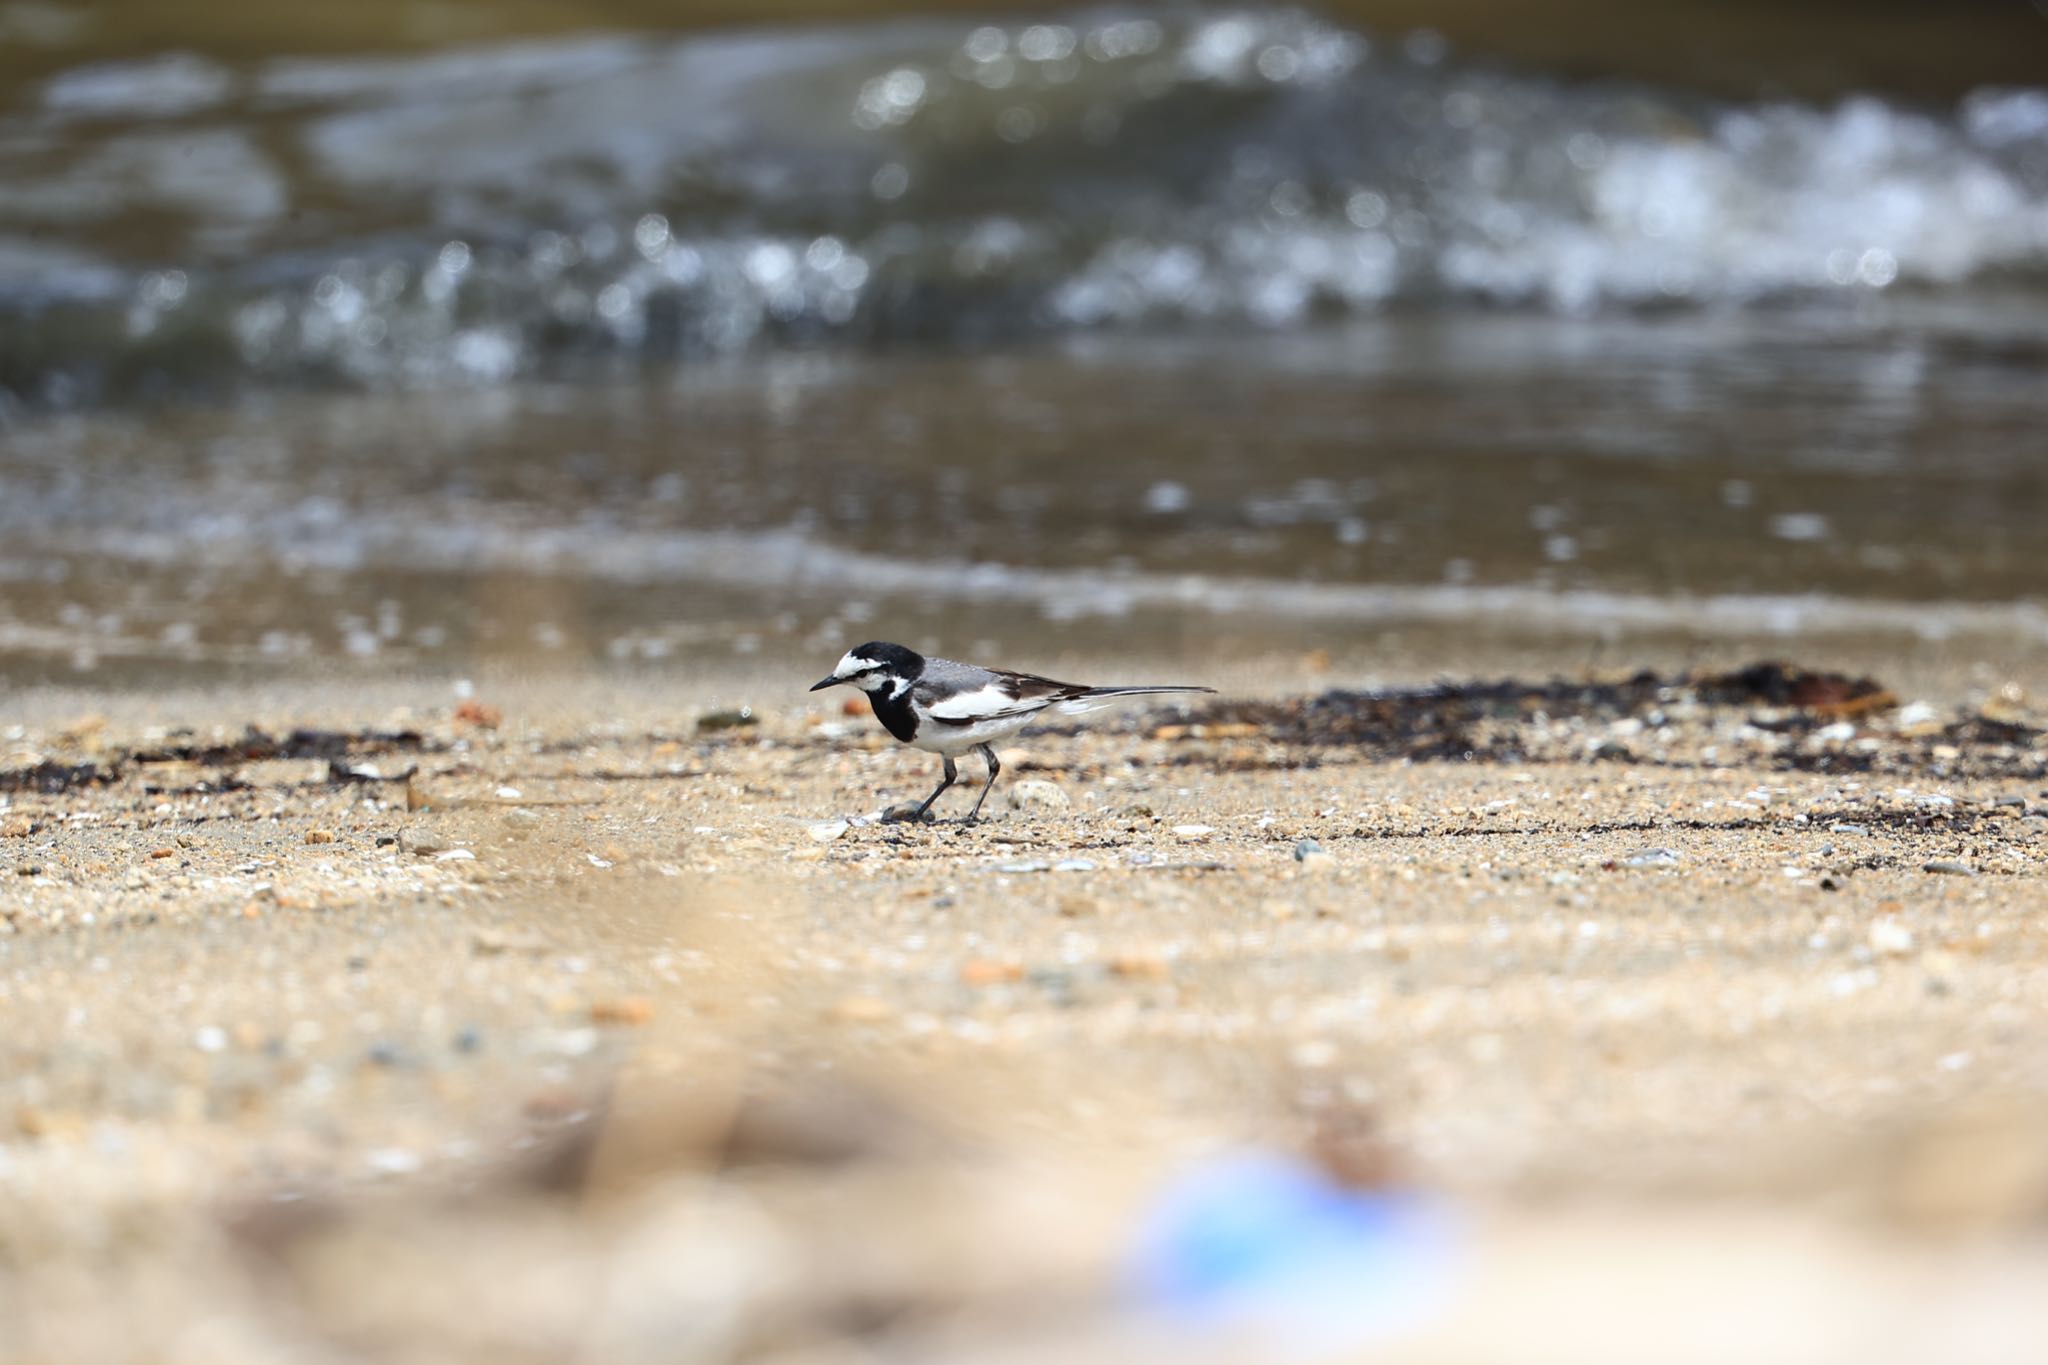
(1733, 995)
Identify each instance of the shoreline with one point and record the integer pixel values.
(1649, 961)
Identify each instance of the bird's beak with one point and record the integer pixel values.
(823, 683)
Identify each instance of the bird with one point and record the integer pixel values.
(947, 708)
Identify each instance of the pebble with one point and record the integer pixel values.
(319, 836)
(1917, 715)
(1652, 857)
(983, 971)
(1844, 827)
(1891, 938)
(1307, 848)
(575, 1042)
(826, 831)
(1074, 865)
(1034, 865)
(491, 942)
(392, 1161)
(211, 1038)
(901, 811)
(1949, 867)
(420, 844)
(1193, 831)
(455, 855)
(1038, 794)
(630, 1011)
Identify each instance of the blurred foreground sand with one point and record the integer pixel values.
(613, 1044)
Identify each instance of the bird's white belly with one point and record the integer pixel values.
(958, 739)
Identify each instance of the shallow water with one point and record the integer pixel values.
(1579, 478)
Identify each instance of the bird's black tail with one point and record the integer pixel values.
(1107, 692)
(1093, 697)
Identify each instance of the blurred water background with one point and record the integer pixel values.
(426, 334)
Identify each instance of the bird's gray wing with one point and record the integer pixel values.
(962, 694)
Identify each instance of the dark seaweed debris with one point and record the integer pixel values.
(1515, 721)
(1819, 694)
(338, 747)
(256, 746)
(51, 778)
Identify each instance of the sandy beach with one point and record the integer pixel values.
(1727, 981)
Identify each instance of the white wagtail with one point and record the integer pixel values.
(949, 708)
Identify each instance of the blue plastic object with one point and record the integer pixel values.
(1272, 1246)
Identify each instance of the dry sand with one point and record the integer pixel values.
(1713, 1021)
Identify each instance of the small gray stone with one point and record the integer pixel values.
(1949, 867)
(1306, 847)
(1037, 794)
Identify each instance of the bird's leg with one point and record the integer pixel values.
(993, 768)
(924, 812)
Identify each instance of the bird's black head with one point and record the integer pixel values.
(873, 666)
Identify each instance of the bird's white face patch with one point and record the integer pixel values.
(866, 674)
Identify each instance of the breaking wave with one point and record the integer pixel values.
(479, 214)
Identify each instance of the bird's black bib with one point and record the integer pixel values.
(895, 714)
